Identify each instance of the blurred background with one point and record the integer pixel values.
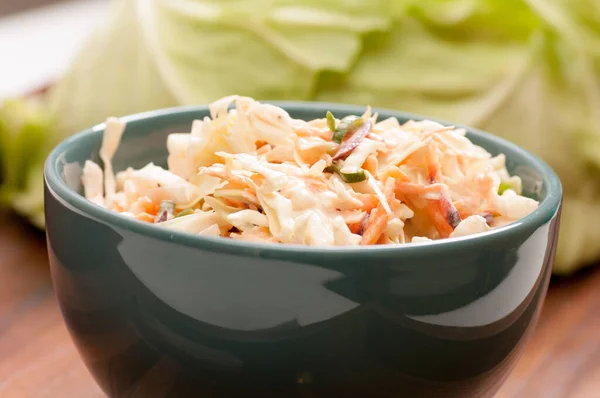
(10, 7)
(527, 70)
(33, 24)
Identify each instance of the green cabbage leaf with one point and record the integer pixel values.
(526, 70)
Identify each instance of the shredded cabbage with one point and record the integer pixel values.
(247, 195)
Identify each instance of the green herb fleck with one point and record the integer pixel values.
(347, 125)
(503, 187)
(331, 169)
(330, 121)
(348, 178)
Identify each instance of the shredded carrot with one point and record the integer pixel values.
(378, 218)
(438, 218)
(260, 143)
(145, 217)
(263, 150)
(355, 228)
(375, 227)
(443, 216)
(151, 207)
(359, 227)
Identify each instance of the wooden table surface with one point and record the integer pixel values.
(38, 360)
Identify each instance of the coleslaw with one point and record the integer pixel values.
(252, 172)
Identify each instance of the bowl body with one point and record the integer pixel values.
(160, 314)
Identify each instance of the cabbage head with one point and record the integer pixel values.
(527, 70)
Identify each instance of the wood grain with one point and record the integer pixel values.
(38, 360)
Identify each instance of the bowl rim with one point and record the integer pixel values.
(548, 207)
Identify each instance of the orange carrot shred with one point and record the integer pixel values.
(443, 215)
(378, 218)
(145, 217)
(375, 228)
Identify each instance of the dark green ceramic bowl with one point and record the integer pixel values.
(156, 313)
